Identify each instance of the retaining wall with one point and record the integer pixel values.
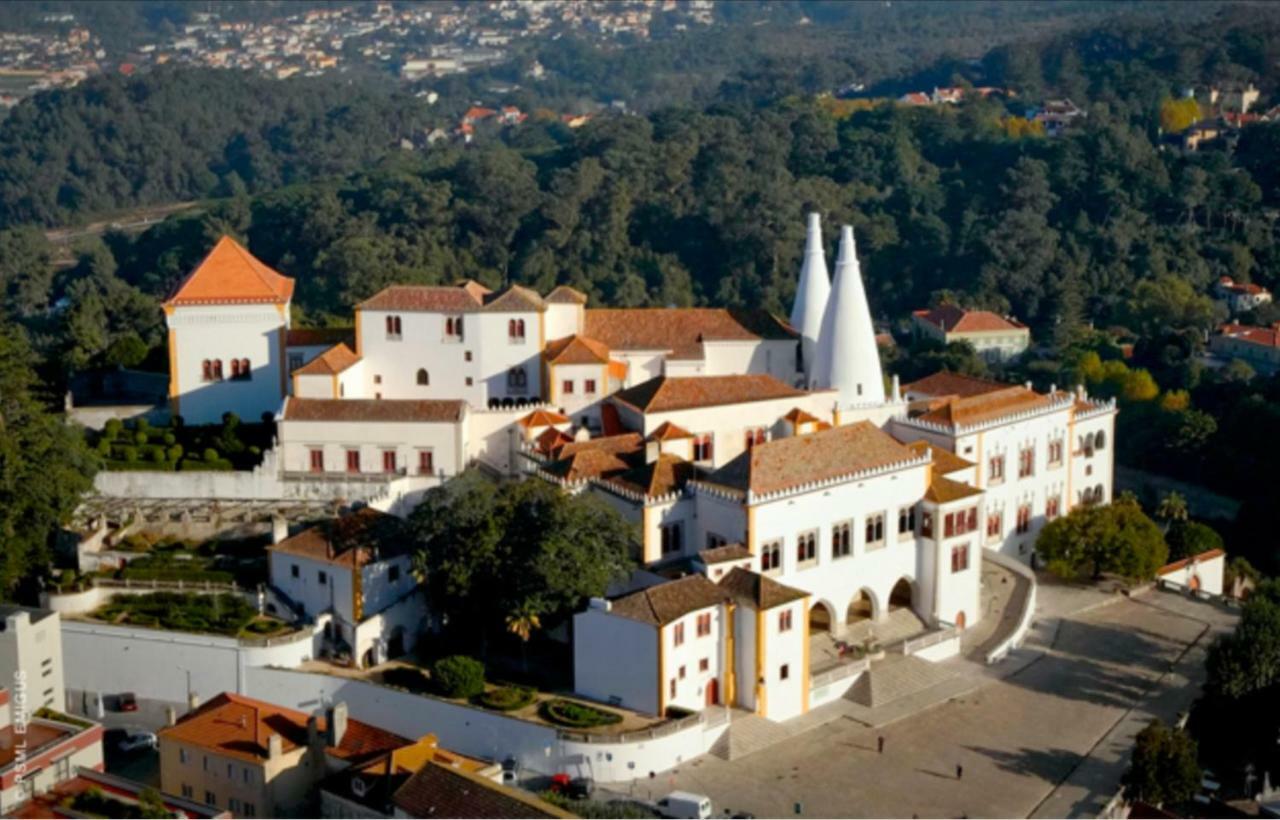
(1026, 616)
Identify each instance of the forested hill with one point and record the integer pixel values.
(115, 142)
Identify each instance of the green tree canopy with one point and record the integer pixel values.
(1117, 538)
(1164, 769)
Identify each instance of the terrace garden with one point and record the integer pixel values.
(139, 445)
(219, 614)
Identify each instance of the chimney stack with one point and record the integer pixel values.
(275, 747)
(812, 293)
(337, 723)
(279, 528)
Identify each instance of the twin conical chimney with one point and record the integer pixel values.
(811, 297)
(847, 358)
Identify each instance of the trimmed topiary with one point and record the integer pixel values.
(576, 715)
(458, 676)
(505, 698)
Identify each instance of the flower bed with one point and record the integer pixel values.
(505, 698)
(576, 715)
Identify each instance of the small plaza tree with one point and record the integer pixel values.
(1164, 768)
(1117, 538)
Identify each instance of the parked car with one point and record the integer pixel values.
(128, 702)
(685, 806)
(137, 741)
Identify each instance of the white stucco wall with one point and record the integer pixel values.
(615, 657)
(446, 440)
(784, 698)
(253, 332)
(1208, 574)
(306, 589)
(691, 690)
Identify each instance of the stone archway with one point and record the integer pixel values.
(822, 619)
(862, 607)
(903, 594)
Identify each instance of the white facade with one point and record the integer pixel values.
(205, 340)
(31, 648)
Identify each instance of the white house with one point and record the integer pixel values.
(993, 337)
(357, 568)
(1239, 297)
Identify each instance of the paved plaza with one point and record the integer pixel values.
(1046, 733)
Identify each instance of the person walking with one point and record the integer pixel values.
(959, 772)
(880, 744)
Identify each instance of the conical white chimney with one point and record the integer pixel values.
(811, 296)
(848, 360)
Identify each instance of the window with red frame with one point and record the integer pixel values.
(1024, 518)
(388, 461)
(426, 462)
(317, 461)
(704, 624)
(995, 468)
(771, 556)
(702, 447)
(1051, 507)
(784, 620)
(960, 558)
(1026, 462)
(353, 461)
(995, 524)
(677, 635)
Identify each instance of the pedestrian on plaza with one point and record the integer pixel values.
(880, 744)
(959, 772)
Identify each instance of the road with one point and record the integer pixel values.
(1051, 739)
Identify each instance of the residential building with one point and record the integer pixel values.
(437, 790)
(257, 759)
(1057, 116)
(31, 650)
(88, 783)
(40, 748)
(995, 338)
(358, 570)
(1258, 347)
(1240, 297)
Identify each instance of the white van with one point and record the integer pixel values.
(685, 806)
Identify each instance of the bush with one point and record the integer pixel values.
(112, 428)
(157, 455)
(577, 715)
(139, 438)
(175, 452)
(170, 439)
(210, 454)
(104, 447)
(128, 453)
(505, 698)
(458, 676)
(406, 678)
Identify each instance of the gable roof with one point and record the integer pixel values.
(315, 336)
(947, 383)
(437, 411)
(230, 275)
(594, 458)
(664, 393)
(786, 463)
(1264, 336)
(550, 440)
(943, 490)
(576, 350)
(669, 432)
(680, 331)
(724, 553)
(334, 360)
(363, 537)
(427, 298)
(565, 295)
(542, 418)
(953, 319)
(946, 461)
(440, 791)
(758, 591)
(662, 476)
(241, 727)
(967, 410)
(667, 602)
(514, 299)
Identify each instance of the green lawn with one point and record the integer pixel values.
(221, 614)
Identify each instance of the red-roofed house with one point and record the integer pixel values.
(996, 338)
(1240, 296)
(1259, 347)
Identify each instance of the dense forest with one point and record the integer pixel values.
(1102, 239)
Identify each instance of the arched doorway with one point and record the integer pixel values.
(902, 595)
(960, 620)
(1194, 586)
(821, 618)
(861, 608)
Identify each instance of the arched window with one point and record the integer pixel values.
(519, 334)
(1099, 494)
(206, 370)
(245, 371)
(448, 326)
(235, 368)
(1099, 440)
(517, 379)
(511, 328)
(217, 369)
(424, 378)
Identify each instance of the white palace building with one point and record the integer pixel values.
(779, 486)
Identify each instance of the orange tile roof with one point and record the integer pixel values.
(334, 360)
(576, 350)
(970, 410)
(943, 490)
(669, 432)
(514, 299)
(946, 461)
(786, 463)
(678, 330)
(665, 393)
(667, 602)
(315, 336)
(230, 275)
(406, 410)
(758, 591)
(363, 537)
(946, 383)
(563, 294)
(241, 727)
(1265, 336)
(595, 458)
(658, 478)
(550, 440)
(1177, 565)
(428, 298)
(441, 791)
(542, 418)
(798, 416)
(953, 319)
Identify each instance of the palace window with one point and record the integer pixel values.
(754, 437)
(426, 462)
(714, 540)
(906, 521)
(589, 387)
(841, 539)
(393, 328)
(377, 378)
(673, 688)
(388, 461)
(453, 329)
(672, 538)
(995, 469)
(960, 558)
(960, 522)
(771, 556)
(784, 620)
(702, 447)
(875, 530)
(1024, 518)
(566, 387)
(784, 671)
(1052, 505)
(926, 524)
(807, 547)
(704, 624)
(1055, 451)
(1099, 440)
(424, 378)
(317, 460)
(466, 355)
(995, 525)
(677, 635)
(1026, 462)
(517, 380)
(704, 665)
(680, 674)
(353, 461)
(515, 331)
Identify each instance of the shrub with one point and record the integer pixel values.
(506, 698)
(458, 676)
(210, 454)
(104, 447)
(577, 715)
(170, 439)
(128, 453)
(406, 678)
(112, 428)
(140, 438)
(142, 425)
(175, 451)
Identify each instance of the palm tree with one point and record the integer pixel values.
(522, 622)
(1173, 507)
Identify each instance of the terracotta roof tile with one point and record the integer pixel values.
(1264, 336)
(790, 462)
(758, 591)
(334, 360)
(542, 418)
(678, 330)
(660, 477)
(669, 432)
(665, 603)
(595, 458)
(724, 553)
(943, 490)
(970, 410)
(664, 393)
(550, 440)
(231, 275)
(944, 460)
(798, 416)
(316, 336)
(946, 383)
(240, 727)
(576, 350)
(953, 319)
(424, 298)
(363, 537)
(1177, 565)
(565, 295)
(440, 791)
(438, 411)
(514, 299)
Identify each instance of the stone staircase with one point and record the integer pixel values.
(748, 733)
(895, 677)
